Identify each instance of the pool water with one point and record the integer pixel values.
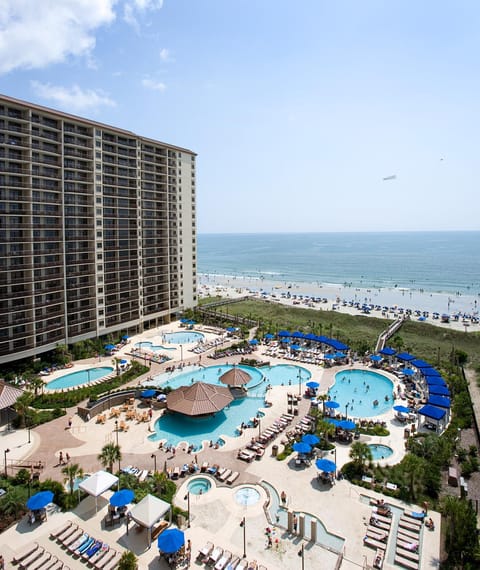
(186, 337)
(147, 345)
(79, 378)
(199, 486)
(175, 428)
(360, 389)
(76, 482)
(380, 451)
(247, 496)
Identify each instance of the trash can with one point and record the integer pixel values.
(274, 450)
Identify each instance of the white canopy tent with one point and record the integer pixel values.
(98, 483)
(149, 511)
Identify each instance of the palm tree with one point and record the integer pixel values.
(128, 561)
(414, 469)
(36, 383)
(71, 472)
(360, 453)
(109, 454)
(323, 398)
(22, 406)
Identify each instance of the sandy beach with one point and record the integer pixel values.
(463, 309)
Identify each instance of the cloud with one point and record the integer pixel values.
(152, 84)
(72, 99)
(133, 9)
(37, 33)
(164, 54)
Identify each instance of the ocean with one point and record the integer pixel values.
(422, 262)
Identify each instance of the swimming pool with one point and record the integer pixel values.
(366, 393)
(199, 486)
(177, 428)
(186, 337)
(78, 378)
(146, 344)
(247, 496)
(380, 451)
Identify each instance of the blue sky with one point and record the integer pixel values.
(297, 110)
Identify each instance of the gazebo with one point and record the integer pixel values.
(199, 399)
(8, 397)
(98, 483)
(149, 511)
(236, 379)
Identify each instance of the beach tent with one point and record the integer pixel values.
(149, 511)
(297, 334)
(98, 483)
(418, 363)
(387, 351)
(433, 414)
(439, 401)
(405, 356)
(430, 372)
(438, 391)
(435, 381)
(284, 334)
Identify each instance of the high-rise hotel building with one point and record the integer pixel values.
(97, 230)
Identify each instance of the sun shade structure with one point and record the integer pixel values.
(171, 540)
(405, 356)
(122, 498)
(199, 399)
(326, 465)
(98, 483)
(387, 351)
(40, 500)
(149, 511)
(8, 395)
(235, 377)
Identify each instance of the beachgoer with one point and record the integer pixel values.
(269, 541)
(283, 496)
(2, 562)
(67, 457)
(60, 458)
(150, 413)
(295, 523)
(69, 423)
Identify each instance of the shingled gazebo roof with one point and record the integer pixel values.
(199, 399)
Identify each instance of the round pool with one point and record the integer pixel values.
(186, 337)
(78, 378)
(247, 496)
(380, 451)
(199, 486)
(362, 393)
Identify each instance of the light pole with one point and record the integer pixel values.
(259, 425)
(187, 498)
(334, 451)
(5, 460)
(244, 526)
(301, 553)
(154, 457)
(181, 353)
(299, 382)
(118, 450)
(28, 429)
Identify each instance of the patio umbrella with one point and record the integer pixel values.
(408, 372)
(254, 341)
(284, 334)
(331, 404)
(326, 465)
(301, 447)
(346, 424)
(329, 356)
(124, 361)
(294, 347)
(375, 357)
(269, 336)
(313, 385)
(310, 439)
(171, 540)
(402, 409)
(332, 421)
(109, 346)
(387, 351)
(122, 498)
(125, 337)
(230, 329)
(40, 500)
(147, 393)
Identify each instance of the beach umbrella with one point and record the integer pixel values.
(332, 404)
(375, 358)
(269, 336)
(294, 347)
(124, 361)
(230, 329)
(313, 385)
(387, 351)
(122, 498)
(340, 355)
(39, 500)
(332, 421)
(402, 409)
(438, 390)
(346, 424)
(310, 439)
(430, 372)
(284, 334)
(301, 447)
(297, 334)
(408, 372)
(109, 346)
(125, 337)
(329, 356)
(148, 393)
(253, 341)
(171, 540)
(326, 465)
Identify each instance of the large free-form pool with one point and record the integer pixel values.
(78, 378)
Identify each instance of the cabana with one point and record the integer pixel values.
(149, 511)
(97, 484)
(440, 402)
(404, 356)
(438, 391)
(434, 415)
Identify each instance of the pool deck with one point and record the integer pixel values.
(342, 508)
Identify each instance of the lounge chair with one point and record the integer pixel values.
(176, 473)
(409, 526)
(94, 548)
(242, 564)
(215, 556)
(411, 546)
(416, 515)
(415, 522)
(408, 554)
(67, 533)
(60, 530)
(53, 564)
(224, 560)
(204, 553)
(377, 534)
(77, 543)
(367, 541)
(233, 477)
(40, 562)
(72, 537)
(220, 472)
(98, 555)
(110, 555)
(378, 559)
(85, 546)
(225, 475)
(405, 562)
(112, 563)
(34, 555)
(204, 467)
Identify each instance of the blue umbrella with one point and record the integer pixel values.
(340, 355)
(375, 357)
(284, 334)
(387, 351)
(125, 337)
(408, 372)
(310, 439)
(122, 498)
(109, 346)
(148, 393)
(332, 421)
(313, 385)
(269, 336)
(123, 361)
(40, 500)
(326, 465)
(346, 424)
(402, 409)
(230, 329)
(331, 404)
(329, 356)
(254, 341)
(171, 540)
(294, 347)
(301, 447)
